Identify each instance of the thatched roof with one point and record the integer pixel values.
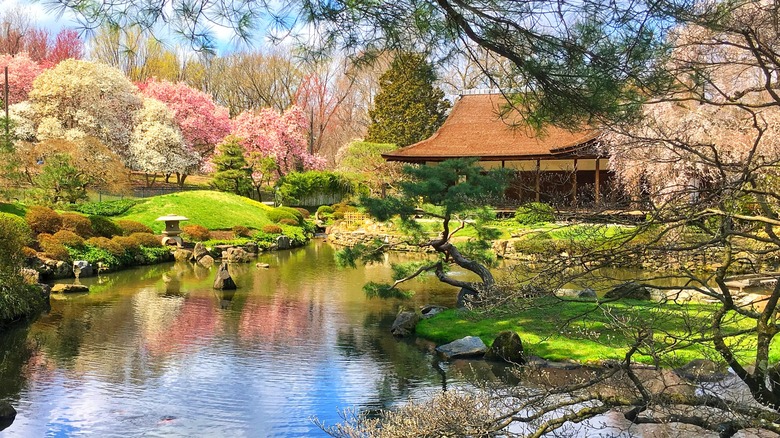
(475, 128)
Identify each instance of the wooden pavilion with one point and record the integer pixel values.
(556, 166)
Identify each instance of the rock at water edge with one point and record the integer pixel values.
(69, 288)
(469, 346)
(507, 347)
(7, 414)
(224, 281)
(404, 324)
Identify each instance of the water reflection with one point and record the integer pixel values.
(157, 351)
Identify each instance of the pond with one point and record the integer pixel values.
(155, 351)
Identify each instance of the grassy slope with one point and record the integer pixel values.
(589, 337)
(213, 210)
(16, 209)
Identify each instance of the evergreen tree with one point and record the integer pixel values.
(408, 108)
(232, 171)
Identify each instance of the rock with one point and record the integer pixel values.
(470, 346)
(199, 252)
(206, 261)
(283, 242)
(701, 370)
(587, 293)
(404, 324)
(69, 288)
(223, 280)
(220, 251)
(262, 265)
(31, 276)
(429, 311)
(237, 255)
(182, 255)
(506, 347)
(7, 414)
(82, 268)
(52, 269)
(45, 289)
(251, 247)
(629, 290)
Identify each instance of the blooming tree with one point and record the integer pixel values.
(22, 71)
(157, 144)
(78, 99)
(67, 45)
(278, 136)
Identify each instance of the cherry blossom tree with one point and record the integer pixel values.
(157, 144)
(22, 71)
(279, 136)
(203, 124)
(67, 45)
(78, 99)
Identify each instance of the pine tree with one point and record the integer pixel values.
(408, 108)
(232, 172)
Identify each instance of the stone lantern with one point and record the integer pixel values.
(172, 231)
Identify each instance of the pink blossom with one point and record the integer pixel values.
(22, 70)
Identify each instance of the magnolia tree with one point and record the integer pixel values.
(79, 99)
(157, 144)
(22, 71)
(275, 144)
(202, 123)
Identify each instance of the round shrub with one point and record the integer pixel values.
(104, 227)
(286, 221)
(67, 238)
(304, 212)
(52, 248)
(325, 210)
(196, 232)
(106, 244)
(147, 240)
(127, 243)
(43, 220)
(272, 229)
(14, 236)
(77, 223)
(129, 227)
(28, 252)
(241, 231)
(279, 213)
(534, 213)
(293, 211)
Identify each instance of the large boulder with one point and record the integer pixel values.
(199, 252)
(629, 290)
(223, 280)
(404, 324)
(251, 247)
(283, 242)
(7, 414)
(507, 347)
(69, 288)
(237, 255)
(52, 269)
(82, 268)
(701, 370)
(470, 346)
(182, 255)
(587, 293)
(430, 310)
(206, 261)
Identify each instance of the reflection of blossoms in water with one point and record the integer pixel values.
(196, 320)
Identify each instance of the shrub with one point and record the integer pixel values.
(272, 229)
(287, 221)
(196, 232)
(279, 213)
(304, 212)
(534, 213)
(52, 248)
(28, 252)
(240, 231)
(104, 227)
(77, 223)
(129, 227)
(106, 244)
(94, 255)
(14, 236)
(43, 220)
(156, 255)
(325, 210)
(106, 208)
(127, 243)
(147, 240)
(296, 186)
(67, 238)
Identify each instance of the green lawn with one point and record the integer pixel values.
(213, 210)
(17, 209)
(560, 330)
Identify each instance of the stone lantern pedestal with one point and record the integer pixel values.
(171, 232)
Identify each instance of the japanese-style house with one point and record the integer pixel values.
(555, 166)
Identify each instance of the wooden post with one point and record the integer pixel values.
(598, 182)
(5, 103)
(574, 184)
(538, 171)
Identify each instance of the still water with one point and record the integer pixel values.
(156, 351)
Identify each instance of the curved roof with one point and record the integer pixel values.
(475, 128)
